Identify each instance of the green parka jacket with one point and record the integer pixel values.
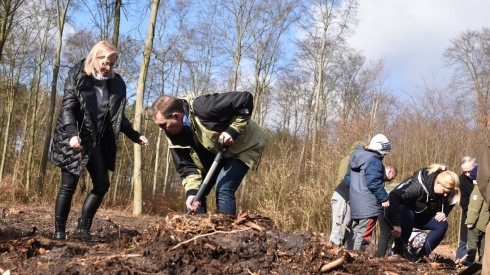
(477, 210)
(194, 148)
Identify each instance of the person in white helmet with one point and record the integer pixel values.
(365, 178)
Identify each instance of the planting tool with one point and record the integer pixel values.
(217, 159)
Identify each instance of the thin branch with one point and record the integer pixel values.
(208, 234)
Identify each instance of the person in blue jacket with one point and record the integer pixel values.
(368, 196)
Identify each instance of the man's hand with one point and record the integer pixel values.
(440, 217)
(397, 231)
(469, 226)
(386, 204)
(227, 139)
(190, 206)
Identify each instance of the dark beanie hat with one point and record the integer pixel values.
(473, 173)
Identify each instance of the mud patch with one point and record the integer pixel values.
(181, 244)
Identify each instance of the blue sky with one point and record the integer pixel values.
(411, 35)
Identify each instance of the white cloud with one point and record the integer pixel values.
(411, 35)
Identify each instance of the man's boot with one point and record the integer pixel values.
(59, 229)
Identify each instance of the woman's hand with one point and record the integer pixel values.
(397, 231)
(227, 139)
(75, 143)
(143, 140)
(193, 207)
(440, 217)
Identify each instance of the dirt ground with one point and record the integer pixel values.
(180, 244)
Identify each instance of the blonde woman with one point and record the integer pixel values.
(423, 201)
(86, 133)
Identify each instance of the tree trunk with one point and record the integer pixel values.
(18, 159)
(318, 90)
(302, 157)
(116, 179)
(117, 22)
(61, 10)
(10, 107)
(31, 135)
(137, 182)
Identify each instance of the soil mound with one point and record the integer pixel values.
(182, 244)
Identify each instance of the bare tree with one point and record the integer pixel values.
(469, 54)
(274, 19)
(61, 11)
(350, 89)
(44, 37)
(325, 25)
(198, 58)
(117, 22)
(15, 53)
(233, 22)
(140, 89)
(9, 10)
(102, 13)
(290, 98)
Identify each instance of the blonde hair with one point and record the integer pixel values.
(448, 179)
(102, 48)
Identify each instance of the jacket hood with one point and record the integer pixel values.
(354, 145)
(360, 156)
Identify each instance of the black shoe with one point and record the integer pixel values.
(59, 229)
(83, 227)
(59, 236)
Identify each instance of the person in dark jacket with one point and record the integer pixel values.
(466, 187)
(368, 197)
(193, 126)
(423, 201)
(86, 133)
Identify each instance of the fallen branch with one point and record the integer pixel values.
(105, 259)
(254, 226)
(240, 218)
(333, 264)
(208, 234)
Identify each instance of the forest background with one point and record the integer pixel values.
(314, 95)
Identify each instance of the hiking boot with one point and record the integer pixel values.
(59, 229)
(83, 227)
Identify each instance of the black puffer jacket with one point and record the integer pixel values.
(411, 193)
(466, 187)
(79, 109)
